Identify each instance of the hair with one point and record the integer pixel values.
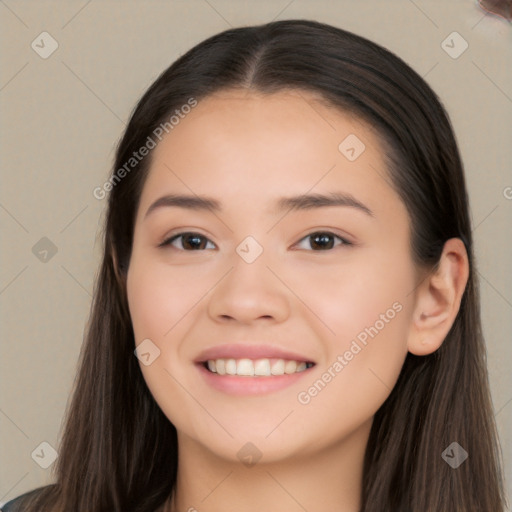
(119, 451)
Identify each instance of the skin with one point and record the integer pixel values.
(246, 150)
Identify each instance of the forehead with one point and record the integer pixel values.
(301, 115)
(246, 146)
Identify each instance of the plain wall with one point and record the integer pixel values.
(62, 116)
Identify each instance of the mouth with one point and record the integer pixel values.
(252, 377)
(244, 369)
(265, 367)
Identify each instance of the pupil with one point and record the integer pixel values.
(196, 238)
(323, 237)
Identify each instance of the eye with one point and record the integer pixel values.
(190, 241)
(322, 240)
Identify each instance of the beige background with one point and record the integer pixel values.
(62, 116)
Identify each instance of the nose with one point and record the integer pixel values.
(249, 292)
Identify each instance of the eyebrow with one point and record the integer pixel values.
(300, 202)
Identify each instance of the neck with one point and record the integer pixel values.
(328, 480)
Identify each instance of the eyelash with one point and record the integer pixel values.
(176, 236)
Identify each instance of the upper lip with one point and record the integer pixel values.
(246, 351)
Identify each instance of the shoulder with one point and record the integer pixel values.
(15, 504)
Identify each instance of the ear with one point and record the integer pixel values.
(438, 299)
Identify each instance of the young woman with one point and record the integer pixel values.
(286, 315)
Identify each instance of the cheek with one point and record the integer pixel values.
(363, 364)
(367, 308)
(158, 312)
(361, 372)
(359, 292)
(158, 299)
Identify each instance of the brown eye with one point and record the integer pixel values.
(324, 240)
(189, 241)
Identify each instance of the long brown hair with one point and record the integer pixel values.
(119, 451)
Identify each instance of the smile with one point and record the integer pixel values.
(256, 367)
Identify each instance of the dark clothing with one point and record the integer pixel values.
(14, 504)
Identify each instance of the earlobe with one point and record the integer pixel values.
(438, 299)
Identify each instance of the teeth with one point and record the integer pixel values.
(245, 367)
(262, 367)
(290, 367)
(278, 367)
(258, 367)
(220, 366)
(231, 367)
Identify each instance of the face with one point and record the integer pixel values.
(301, 310)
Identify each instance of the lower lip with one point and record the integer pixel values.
(238, 385)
